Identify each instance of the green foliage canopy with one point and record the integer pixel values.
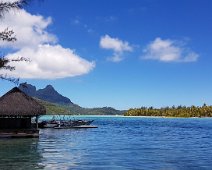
(180, 111)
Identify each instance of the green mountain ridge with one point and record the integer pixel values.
(55, 103)
(55, 109)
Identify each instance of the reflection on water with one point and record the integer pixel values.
(61, 148)
(19, 153)
(118, 143)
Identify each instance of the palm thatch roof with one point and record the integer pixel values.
(17, 103)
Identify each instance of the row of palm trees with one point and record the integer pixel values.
(179, 111)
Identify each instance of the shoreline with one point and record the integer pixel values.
(122, 116)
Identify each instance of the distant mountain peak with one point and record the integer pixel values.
(28, 89)
(48, 93)
(49, 87)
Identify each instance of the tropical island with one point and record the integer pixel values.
(56, 104)
(179, 111)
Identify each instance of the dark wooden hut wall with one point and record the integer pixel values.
(15, 123)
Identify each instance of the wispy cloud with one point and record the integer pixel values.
(116, 45)
(168, 51)
(77, 21)
(49, 60)
(107, 19)
(111, 18)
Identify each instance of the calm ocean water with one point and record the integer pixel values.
(118, 143)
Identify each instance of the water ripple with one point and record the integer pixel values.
(118, 143)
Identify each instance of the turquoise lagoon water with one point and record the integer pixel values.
(118, 143)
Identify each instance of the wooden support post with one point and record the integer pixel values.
(36, 119)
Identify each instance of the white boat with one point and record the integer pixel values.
(64, 123)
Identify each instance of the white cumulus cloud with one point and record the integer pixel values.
(30, 30)
(116, 45)
(49, 62)
(168, 51)
(48, 59)
(9, 0)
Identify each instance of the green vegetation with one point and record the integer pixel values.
(103, 111)
(180, 111)
(55, 103)
(54, 109)
(73, 109)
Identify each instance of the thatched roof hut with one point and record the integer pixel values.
(17, 103)
(16, 111)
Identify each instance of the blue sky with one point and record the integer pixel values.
(122, 53)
